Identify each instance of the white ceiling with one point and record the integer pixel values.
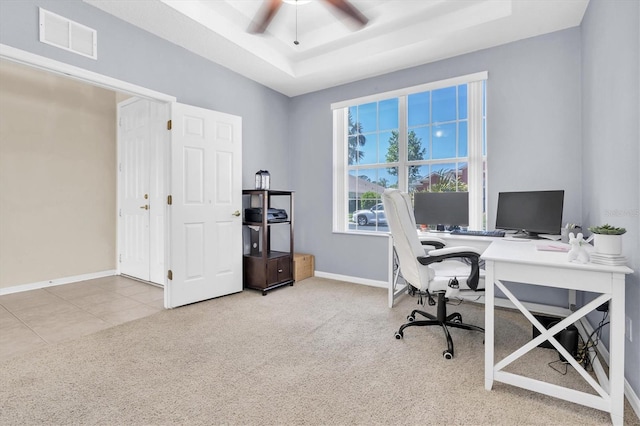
(331, 51)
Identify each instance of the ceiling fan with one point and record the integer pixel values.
(270, 7)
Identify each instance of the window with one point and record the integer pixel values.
(424, 138)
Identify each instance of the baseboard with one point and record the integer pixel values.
(57, 281)
(632, 397)
(533, 307)
(355, 280)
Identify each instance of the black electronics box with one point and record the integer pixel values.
(568, 337)
(254, 214)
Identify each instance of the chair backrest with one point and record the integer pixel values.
(402, 224)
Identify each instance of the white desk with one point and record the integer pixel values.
(522, 262)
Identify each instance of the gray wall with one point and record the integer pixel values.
(611, 139)
(133, 55)
(533, 141)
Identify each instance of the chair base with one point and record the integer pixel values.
(442, 319)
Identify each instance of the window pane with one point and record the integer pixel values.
(365, 197)
(484, 98)
(356, 148)
(372, 180)
(463, 177)
(388, 177)
(484, 136)
(462, 102)
(388, 114)
(388, 147)
(353, 119)
(368, 149)
(419, 137)
(418, 109)
(443, 178)
(418, 178)
(463, 139)
(417, 147)
(443, 104)
(444, 141)
(367, 117)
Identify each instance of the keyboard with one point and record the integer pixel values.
(478, 233)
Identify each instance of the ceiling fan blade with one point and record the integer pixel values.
(264, 16)
(350, 10)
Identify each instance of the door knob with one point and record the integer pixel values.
(146, 207)
(236, 213)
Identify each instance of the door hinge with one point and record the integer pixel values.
(120, 212)
(120, 258)
(170, 274)
(169, 125)
(169, 200)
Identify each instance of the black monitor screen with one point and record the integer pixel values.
(441, 208)
(535, 212)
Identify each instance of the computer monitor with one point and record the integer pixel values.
(534, 212)
(441, 208)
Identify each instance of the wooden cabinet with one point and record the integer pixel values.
(264, 267)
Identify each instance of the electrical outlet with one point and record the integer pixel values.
(628, 328)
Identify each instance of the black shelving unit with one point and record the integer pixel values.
(266, 269)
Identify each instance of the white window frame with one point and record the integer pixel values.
(476, 158)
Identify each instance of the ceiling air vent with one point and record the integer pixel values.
(68, 35)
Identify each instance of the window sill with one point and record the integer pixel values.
(365, 233)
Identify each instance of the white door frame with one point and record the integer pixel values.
(65, 70)
(95, 79)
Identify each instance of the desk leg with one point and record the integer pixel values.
(390, 277)
(488, 324)
(616, 349)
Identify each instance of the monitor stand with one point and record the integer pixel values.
(526, 234)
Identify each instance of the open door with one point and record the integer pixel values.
(142, 148)
(205, 223)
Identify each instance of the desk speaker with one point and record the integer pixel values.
(568, 337)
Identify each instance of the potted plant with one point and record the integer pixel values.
(607, 239)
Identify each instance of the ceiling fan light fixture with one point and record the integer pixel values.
(270, 7)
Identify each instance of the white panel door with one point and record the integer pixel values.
(134, 189)
(143, 149)
(205, 256)
(158, 153)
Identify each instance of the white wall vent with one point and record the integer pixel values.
(68, 35)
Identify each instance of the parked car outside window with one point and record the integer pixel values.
(374, 215)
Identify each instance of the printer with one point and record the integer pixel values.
(254, 214)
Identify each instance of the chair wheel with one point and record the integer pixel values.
(398, 335)
(411, 318)
(447, 355)
(457, 320)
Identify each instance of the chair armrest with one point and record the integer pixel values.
(438, 243)
(470, 253)
(459, 251)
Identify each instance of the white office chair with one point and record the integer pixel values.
(433, 273)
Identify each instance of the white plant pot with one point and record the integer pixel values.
(608, 244)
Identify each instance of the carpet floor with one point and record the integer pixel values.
(321, 352)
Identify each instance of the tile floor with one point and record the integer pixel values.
(33, 319)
